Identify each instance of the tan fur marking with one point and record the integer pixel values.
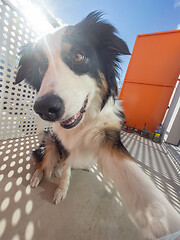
(38, 165)
(50, 158)
(103, 79)
(66, 47)
(112, 143)
(104, 84)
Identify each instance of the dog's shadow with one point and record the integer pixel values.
(47, 188)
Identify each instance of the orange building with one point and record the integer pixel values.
(150, 79)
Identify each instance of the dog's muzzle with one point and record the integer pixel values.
(49, 107)
(77, 118)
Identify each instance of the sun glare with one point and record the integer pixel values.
(34, 15)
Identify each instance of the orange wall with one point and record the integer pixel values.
(151, 76)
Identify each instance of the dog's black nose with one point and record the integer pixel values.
(49, 107)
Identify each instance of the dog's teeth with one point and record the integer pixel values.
(72, 120)
(77, 114)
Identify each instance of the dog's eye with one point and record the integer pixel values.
(78, 57)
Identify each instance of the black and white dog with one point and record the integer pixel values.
(74, 71)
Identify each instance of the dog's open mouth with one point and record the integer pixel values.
(75, 120)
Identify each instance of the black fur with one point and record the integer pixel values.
(39, 153)
(32, 66)
(121, 115)
(112, 138)
(79, 44)
(63, 153)
(97, 41)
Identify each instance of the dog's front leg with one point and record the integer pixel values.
(37, 177)
(61, 192)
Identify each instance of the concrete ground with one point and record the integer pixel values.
(175, 150)
(91, 210)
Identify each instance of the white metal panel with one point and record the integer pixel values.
(17, 117)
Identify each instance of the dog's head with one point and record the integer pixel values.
(73, 70)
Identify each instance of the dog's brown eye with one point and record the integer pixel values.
(78, 57)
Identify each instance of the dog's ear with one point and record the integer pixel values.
(25, 66)
(32, 66)
(108, 45)
(119, 45)
(102, 33)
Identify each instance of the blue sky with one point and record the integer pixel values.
(130, 17)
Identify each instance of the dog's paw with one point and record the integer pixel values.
(152, 221)
(36, 178)
(59, 195)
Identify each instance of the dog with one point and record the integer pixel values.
(74, 71)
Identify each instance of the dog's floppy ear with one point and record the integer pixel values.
(25, 66)
(32, 66)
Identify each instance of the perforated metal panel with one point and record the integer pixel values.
(16, 102)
